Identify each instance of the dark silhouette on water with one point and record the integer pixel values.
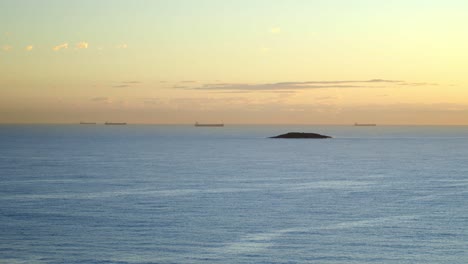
(114, 123)
(358, 124)
(301, 135)
(208, 125)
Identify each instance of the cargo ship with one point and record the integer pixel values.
(357, 124)
(208, 125)
(113, 123)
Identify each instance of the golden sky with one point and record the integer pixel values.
(247, 62)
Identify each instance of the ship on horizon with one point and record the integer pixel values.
(368, 124)
(115, 123)
(87, 123)
(209, 125)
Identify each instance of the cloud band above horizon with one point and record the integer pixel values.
(372, 83)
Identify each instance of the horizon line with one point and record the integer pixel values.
(235, 124)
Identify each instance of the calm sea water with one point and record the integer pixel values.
(180, 194)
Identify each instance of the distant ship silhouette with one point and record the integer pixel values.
(208, 125)
(114, 123)
(358, 124)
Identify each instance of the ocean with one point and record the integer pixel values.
(181, 194)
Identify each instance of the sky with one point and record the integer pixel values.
(236, 62)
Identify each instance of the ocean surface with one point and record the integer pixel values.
(180, 194)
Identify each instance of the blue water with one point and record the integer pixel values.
(180, 194)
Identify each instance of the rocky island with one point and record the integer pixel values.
(301, 135)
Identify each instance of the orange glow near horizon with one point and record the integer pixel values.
(179, 62)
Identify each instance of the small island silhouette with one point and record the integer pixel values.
(301, 135)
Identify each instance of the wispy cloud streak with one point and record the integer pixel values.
(288, 86)
(61, 46)
(124, 84)
(7, 47)
(121, 46)
(98, 99)
(82, 45)
(270, 86)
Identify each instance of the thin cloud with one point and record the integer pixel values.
(152, 101)
(233, 91)
(270, 86)
(124, 84)
(82, 45)
(7, 47)
(288, 86)
(29, 48)
(281, 92)
(381, 81)
(346, 81)
(61, 46)
(99, 99)
(121, 46)
(409, 107)
(102, 100)
(419, 84)
(325, 97)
